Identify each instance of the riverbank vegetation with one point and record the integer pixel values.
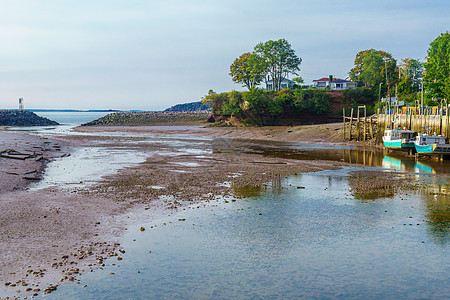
(409, 78)
(287, 106)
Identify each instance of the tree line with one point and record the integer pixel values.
(407, 78)
(383, 75)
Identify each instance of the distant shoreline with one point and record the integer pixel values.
(71, 110)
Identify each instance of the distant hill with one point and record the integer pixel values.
(193, 106)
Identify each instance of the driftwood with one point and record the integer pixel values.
(13, 154)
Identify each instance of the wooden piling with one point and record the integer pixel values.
(350, 126)
(343, 118)
(364, 129)
(371, 128)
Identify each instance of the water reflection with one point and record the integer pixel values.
(409, 166)
(368, 157)
(436, 196)
(276, 186)
(378, 158)
(438, 214)
(247, 191)
(369, 186)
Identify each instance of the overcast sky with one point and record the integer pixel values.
(135, 54)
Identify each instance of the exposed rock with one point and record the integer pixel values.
(150, 118)
(23, 118)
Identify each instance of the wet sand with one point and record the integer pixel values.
(49, 236)
(320, 133)
(40, 229)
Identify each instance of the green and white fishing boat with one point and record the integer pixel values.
(431, 144)
(400, 139)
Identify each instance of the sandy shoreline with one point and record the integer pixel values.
(54, 234)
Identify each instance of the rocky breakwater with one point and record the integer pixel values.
(150, 118)
(23, 118)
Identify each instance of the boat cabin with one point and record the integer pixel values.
(426, 139)
(396, 134)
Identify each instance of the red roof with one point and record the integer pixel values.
(327, 79)
(322, 79)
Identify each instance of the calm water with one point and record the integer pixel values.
(71, 118)
(284, 243)
(302, 236)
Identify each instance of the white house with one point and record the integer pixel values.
(285, 83)
(342, 84)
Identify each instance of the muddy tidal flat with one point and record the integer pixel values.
(187, 211)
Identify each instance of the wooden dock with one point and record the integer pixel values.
(430, 124)
(359, 127)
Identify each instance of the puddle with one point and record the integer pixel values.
(178, 171)
(157, 187)
(187, 164)
(87, 166)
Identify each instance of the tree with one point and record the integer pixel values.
(280, 60)
(410, 73)
(299, 80)
(411, 70)
(248, 69)
(437, 68)
(374, 67)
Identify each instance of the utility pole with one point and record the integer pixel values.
(387, 82)
(379, 95)
(421, 102)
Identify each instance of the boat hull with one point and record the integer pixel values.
(433, 149)
(397, 144)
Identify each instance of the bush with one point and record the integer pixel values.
(353, 97)
(231, 104)
(260, 104)
(311, 101)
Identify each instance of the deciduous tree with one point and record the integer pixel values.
(437, 68)
(373, 67)
(411, 69)
(280, 59)
(410, 73)
(249, 69)
(299, 80)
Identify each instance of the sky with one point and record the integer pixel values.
(150, 55)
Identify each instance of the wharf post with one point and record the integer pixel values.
(343, 119)
(350, 126)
